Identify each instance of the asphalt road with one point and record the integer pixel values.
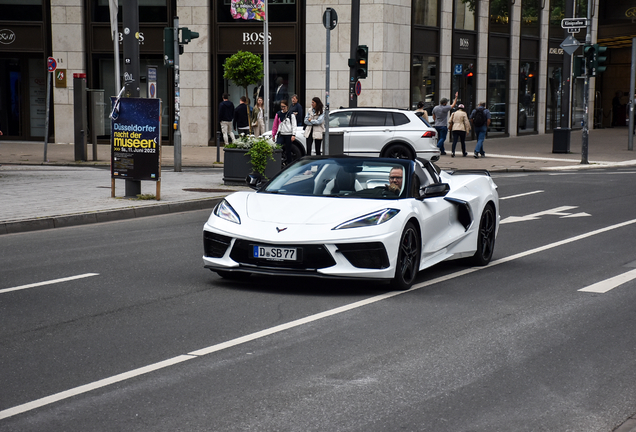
(145, 339)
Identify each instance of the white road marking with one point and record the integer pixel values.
(558, 211)
(520, 195)
(247, 338)
(609, 284)
(50, 282)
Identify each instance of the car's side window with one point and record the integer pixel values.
(370, 118)
(400, 119)
(340, 119)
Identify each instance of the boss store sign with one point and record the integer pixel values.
(464, 44)
(252, 38)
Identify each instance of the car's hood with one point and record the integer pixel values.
(288, 209)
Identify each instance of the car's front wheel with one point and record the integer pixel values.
(408, 260)
(399, 151)
(485, 237)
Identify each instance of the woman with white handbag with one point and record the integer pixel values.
(315, 125)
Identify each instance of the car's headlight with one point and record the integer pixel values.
(225, 211)
(375, 218)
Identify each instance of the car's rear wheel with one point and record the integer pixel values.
(408, 261)
(485, 237)
(233, 275)
(399, 151)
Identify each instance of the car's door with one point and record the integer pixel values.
(369, 132)
(339, 127)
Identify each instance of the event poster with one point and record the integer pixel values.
(248, 9)
(136, 139)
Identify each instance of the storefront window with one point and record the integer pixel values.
(530, 11)
(500, 16)
(464, 84)
(282, 84)
(497, 96)
(465, 14)
(37, 97)
(105, 80)
(149, 11)
(553, 98)
(425, 12)
(527, 97)
(21, 10)
(279, 11)
(423, 81)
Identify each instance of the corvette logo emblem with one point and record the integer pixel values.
(280, 229)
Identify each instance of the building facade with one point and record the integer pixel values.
(506, 53)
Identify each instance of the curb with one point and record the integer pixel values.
(105, 216)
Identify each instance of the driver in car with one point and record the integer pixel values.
(395, 180)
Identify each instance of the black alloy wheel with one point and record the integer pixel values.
(485, 237)
(399, 151)
(408, 261)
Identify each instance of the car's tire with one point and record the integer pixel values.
(229, 275)
(485, 237)
(297, 153)
(408, 260)
(399, 151)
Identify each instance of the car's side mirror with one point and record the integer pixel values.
(434, 191)
(255, 181)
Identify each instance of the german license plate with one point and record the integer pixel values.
(275, 253)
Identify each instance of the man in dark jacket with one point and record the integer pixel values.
(297, 109)
(226, 115)
(241, 119)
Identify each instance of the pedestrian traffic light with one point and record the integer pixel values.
(599, 59)
(187, 35)
(362, 61)
(168, 46)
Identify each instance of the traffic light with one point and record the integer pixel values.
(168, 46)
(599, 59)
(362, 61)
(589, 51)
(187, 35)
(578, 66)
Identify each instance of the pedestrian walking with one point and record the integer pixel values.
(315, 125)
(421, 111)
(258, 118)
(241, 117)
(440, 116)
(226, 115)
(284, 130)
(459, 124)
(480, 117)
(297, 109)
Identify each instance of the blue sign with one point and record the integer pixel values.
(458, 69)
(136, 139)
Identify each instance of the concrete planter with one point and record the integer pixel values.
(237, 166)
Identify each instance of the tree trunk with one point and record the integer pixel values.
(249, 116)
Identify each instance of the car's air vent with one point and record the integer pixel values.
(215, 245)
(365, 255)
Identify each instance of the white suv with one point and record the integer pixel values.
(384, 132)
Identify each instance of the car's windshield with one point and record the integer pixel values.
(343, 177)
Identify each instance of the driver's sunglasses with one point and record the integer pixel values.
(395, 178)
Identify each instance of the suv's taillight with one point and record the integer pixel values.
(429, 134)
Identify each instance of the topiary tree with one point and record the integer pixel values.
(244, 69)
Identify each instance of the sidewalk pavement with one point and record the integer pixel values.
(60, 192)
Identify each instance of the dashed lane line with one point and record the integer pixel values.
(50, 282)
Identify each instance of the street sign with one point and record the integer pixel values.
(568, 23)
(358, 88)
(574, 30)
(570, 44)
(51, 64)
(333, 19)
